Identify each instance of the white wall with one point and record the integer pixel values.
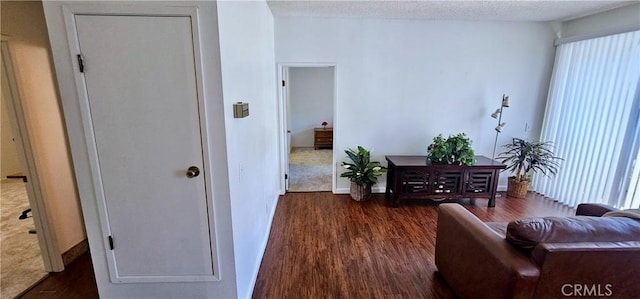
(401, 82)
(248, 75)
(215, 111)
(24, 21)
(311, 102)
(609, 22)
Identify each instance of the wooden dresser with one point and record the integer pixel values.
(322, 138)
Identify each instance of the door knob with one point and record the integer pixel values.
(193, 172)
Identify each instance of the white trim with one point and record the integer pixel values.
(377, 189)
(130, 10)
(282, 134)
(576, 38)
(205, 140)
(47, 240)
(283, 145)
(69, 12)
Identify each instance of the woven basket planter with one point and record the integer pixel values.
(517, 189)
(360, 193)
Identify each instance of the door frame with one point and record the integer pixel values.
(283, 121)
(66, 69)
(89, 149)
(47, 239)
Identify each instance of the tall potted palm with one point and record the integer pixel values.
(524, 158)
(362, 172)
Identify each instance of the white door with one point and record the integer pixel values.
(146, 121)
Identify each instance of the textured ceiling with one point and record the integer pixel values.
(476, 10)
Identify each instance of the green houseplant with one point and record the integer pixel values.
(362, 172)
(453, 150)
(524, 158)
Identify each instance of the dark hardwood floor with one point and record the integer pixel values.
(77, 281)
(329, 246)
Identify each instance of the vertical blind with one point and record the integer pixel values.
(588, 111)
(632, 199)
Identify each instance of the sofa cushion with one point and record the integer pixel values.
(499, 228)
(526, 233)
(630, 213)
(593, 209)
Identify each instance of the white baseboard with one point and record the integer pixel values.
(378, 189)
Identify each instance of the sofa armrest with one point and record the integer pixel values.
(477, 262)
(593, 209)
(607, 269)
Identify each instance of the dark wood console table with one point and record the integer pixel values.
(414, 177)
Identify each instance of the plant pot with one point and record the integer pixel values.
(360, 193)
(517, 189)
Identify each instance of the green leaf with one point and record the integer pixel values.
(525, 157)
(456, 149)
(361, 168)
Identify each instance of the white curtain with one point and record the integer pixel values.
(589, 105)
(632, 199)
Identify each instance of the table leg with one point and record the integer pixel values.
(387, 193)
(397, 189)
(494, 188)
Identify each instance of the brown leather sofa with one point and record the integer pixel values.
(539, 257)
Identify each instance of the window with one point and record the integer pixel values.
(592, 119)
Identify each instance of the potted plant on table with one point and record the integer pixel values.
(525, 158)
(362, 172)
(453, 150)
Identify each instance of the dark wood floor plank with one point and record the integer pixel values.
(328, 246)
(77, 281)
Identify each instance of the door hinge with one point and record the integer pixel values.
(111, 242)
(81, 63)
(283, 83)
(286, 176)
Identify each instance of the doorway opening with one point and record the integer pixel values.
(22, 261)
(307, 99)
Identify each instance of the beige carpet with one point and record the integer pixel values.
(20, 261)
(309, 169)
